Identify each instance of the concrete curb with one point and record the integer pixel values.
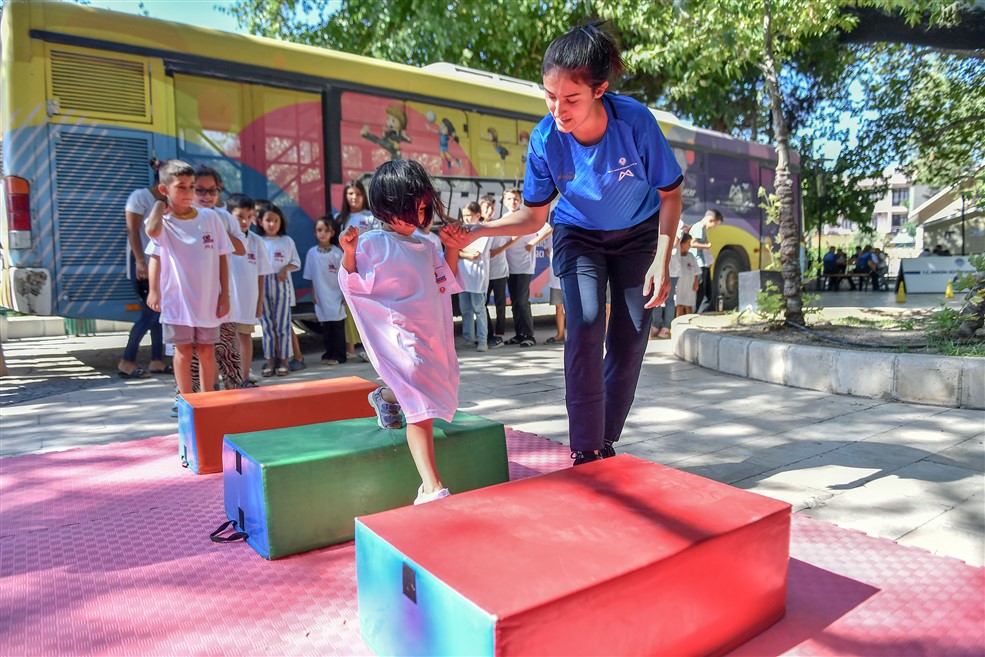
(12, 328)
(957, 382)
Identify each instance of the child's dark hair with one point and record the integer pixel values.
(588, 53)
(240, 201)
(398, 188)
(685, 238)
(270, 207)
(203, 172)
(346, 210)
(474, 208)
(488, 199)
(333, 225)
(172, 169)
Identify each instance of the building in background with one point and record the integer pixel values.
(954, 223)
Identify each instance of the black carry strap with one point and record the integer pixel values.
(235, 536)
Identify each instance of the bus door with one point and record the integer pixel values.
(265, 142)
(99, 145)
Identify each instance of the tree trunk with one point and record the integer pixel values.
(789, 226)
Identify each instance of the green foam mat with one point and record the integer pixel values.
(300, 488)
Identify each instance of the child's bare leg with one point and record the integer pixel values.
(559, 320)
(206, 363)
(183, 367)
(245, 352)
(296, 346)
(420, 439)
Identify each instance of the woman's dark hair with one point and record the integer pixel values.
(263, 207)
(205, 171)
(588, 53)
(396, 190)
(334, 225)
(346, 210)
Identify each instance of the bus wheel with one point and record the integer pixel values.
(727, 268)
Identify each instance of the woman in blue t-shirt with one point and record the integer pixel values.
(617, 185)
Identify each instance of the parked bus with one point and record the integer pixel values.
(89, 97)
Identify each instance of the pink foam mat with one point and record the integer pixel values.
(105, 550)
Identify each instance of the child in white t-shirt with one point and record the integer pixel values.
(396, 273)
(689, 278)
(278, 291)
(355, 212)
(321, 267)
(246, 280)
(194, 279)
(473, 276)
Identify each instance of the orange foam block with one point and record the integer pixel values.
(205, 418)
(616, 557)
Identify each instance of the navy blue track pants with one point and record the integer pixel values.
(600, 390)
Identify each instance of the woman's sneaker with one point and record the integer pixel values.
(580, 458)
(388, 415)
(607, 450)
(424, 498)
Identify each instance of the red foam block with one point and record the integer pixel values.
(617, 557)
(205, 418)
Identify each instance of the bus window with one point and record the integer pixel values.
(693, 165)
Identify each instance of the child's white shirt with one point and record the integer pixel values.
(282, 252)
(189, 250)
(363, 220)
(473, 275)
(244, 270)
(685, 293)
(400, 299)
(322, 269)
(498, 267)
(519, 260)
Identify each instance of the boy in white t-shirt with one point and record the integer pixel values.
(194, 292)
(689, 278)
(473, 277)
(246, 276)
(521, 258)
(321, 267)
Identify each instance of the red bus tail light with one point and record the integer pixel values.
(18, 197)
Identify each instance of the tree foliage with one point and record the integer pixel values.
(772, 70)
(505, 37)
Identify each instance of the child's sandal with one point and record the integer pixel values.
(388, 416)
(282, 370)
(268, 369)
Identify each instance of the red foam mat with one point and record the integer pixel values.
(105, 550)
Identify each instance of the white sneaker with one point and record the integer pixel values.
(424, 498)
(252, 377)
(483, 346)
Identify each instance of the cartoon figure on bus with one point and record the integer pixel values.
(394, 132)
(524, 139)
(493, 136)
(446, 131)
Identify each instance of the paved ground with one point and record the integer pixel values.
(913, 474)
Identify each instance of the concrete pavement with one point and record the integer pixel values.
(914, 474)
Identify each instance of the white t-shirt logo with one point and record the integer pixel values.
(207, 241)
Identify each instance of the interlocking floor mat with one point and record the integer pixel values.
(105, 550)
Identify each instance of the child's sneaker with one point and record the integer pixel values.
(424, 498)
(388, 415)
(483, 346)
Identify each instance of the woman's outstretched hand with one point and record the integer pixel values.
(657, 282)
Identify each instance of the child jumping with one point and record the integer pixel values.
(396, 273)
(194, 290)
(321, 267)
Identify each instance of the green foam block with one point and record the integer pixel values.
(300, 488)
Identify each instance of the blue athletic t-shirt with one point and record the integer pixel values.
(611, 185)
